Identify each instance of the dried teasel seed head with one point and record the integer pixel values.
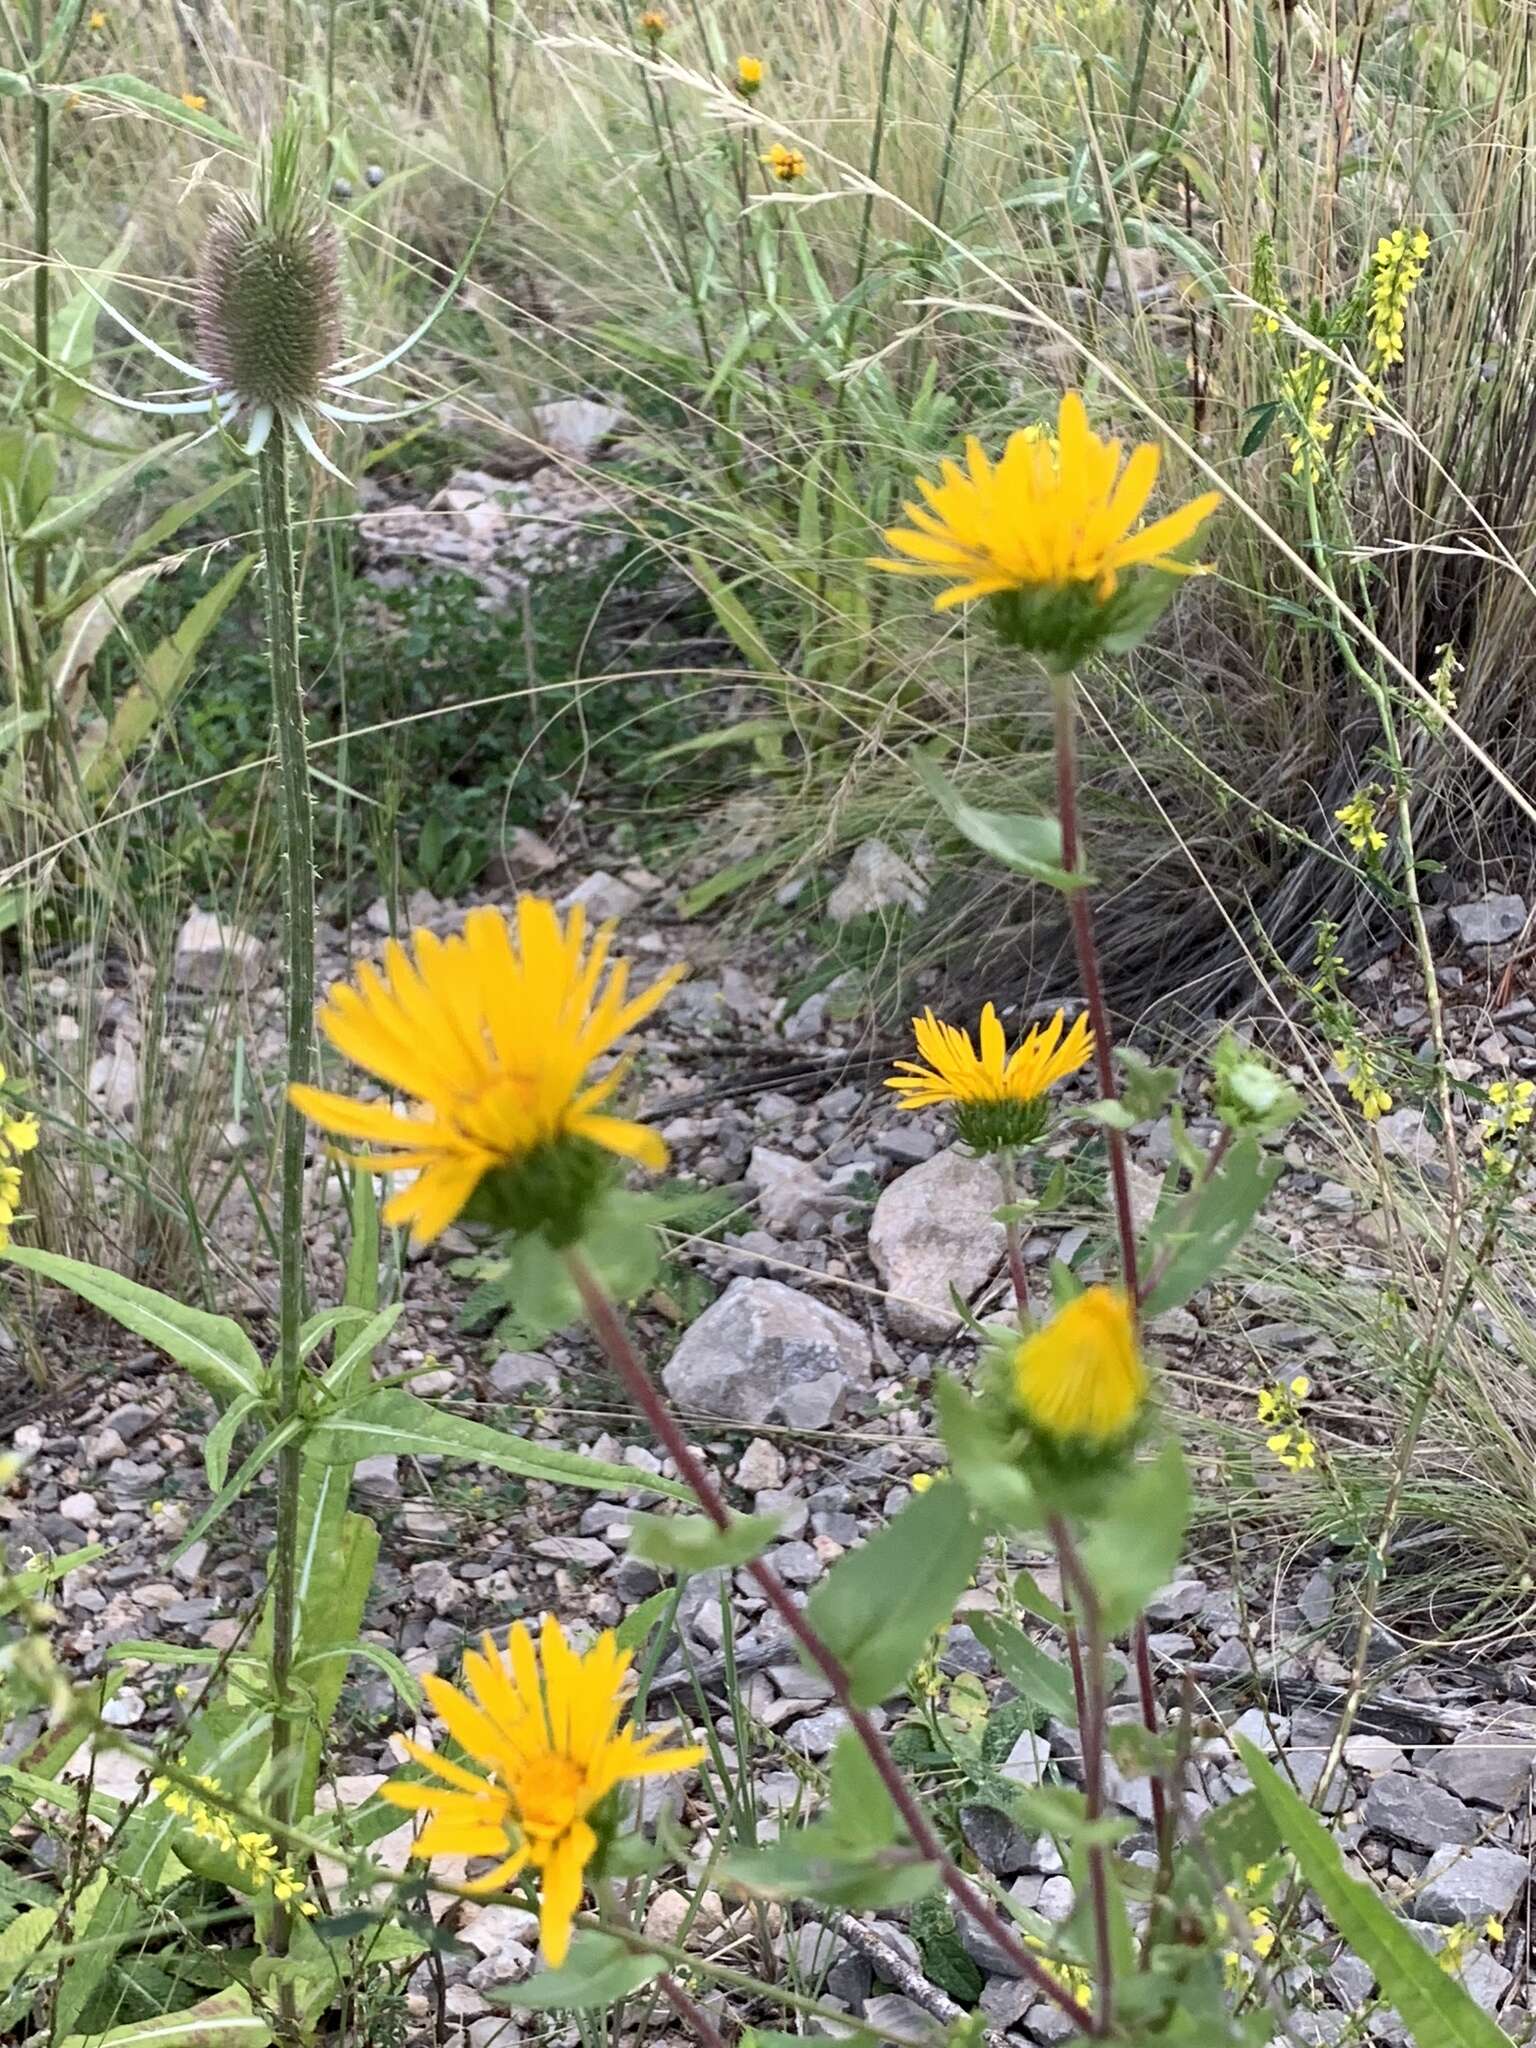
(269, 295)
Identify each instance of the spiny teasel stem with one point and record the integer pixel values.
(296, 833)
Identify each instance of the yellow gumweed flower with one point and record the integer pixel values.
(999, 1096)
(493, 1033)
(1053, 522)
(543, 1727)
(1081, 1377)
(194, 102)
(787, 165)
(749, 75)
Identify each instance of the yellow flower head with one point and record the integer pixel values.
(652, 24)
(194, 102)
(787, 165)
(97, 21)
(1081, 1377)
(543, 1727)
(999, 1096)
(1397, 264)
(749, 75)
(1051, 526)
(493, 1032)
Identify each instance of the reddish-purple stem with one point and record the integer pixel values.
(625, 1360)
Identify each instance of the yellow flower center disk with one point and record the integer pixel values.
(550, 1795)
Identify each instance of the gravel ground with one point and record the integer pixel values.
(800, 1340)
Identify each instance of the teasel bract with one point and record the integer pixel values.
(270, 329)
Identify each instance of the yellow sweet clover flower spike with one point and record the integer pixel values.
(1080, 1379)
(1306, 390)
(1051, 534)
(1512, 1105)
(749, 76)
(542, 1725)
(999, 1097)
(1291, 1442)
(1358, 817)
(19, 1135)
(787, 165)
(1397, 264)
(493, 1033)
(253, 1851)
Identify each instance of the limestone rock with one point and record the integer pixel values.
(212, 954)
(765, 1352)
(934, 1228)
(1493, 922)
(877, 880)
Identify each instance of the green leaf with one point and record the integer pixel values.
(735, 620)
(860, 1814)
(1131, 1550)
(388, 1419)
(330, 1616)
(162, 674)
(692, 1543)
(981, 1455)
(220, 1441)
(76, 511)
(1036, 1676)
(1033, 1598)
(1030, 846)
(599, 1972)
(881, 1602)
(214, 1349)
(1145, 1090)
(22, 1938)
(1205, 1230)
(122, 89)
(636, 1626)
(362, 1286)
(1437, 2010)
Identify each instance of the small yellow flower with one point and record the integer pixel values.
(1301, 1387)
(97, 21)
(1364, 1088)
(194, 102)
(1493, 1927)
(494, 1033)
(652, 24)
(787, 165)
(999, 1096)
(749, 76)
(543, 1728)
(1081, 1377)
(1358, 817)
(1045, 517)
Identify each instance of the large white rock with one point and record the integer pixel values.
(877, 879)
(766, 1353)
(934, 1228)
(212, 954)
